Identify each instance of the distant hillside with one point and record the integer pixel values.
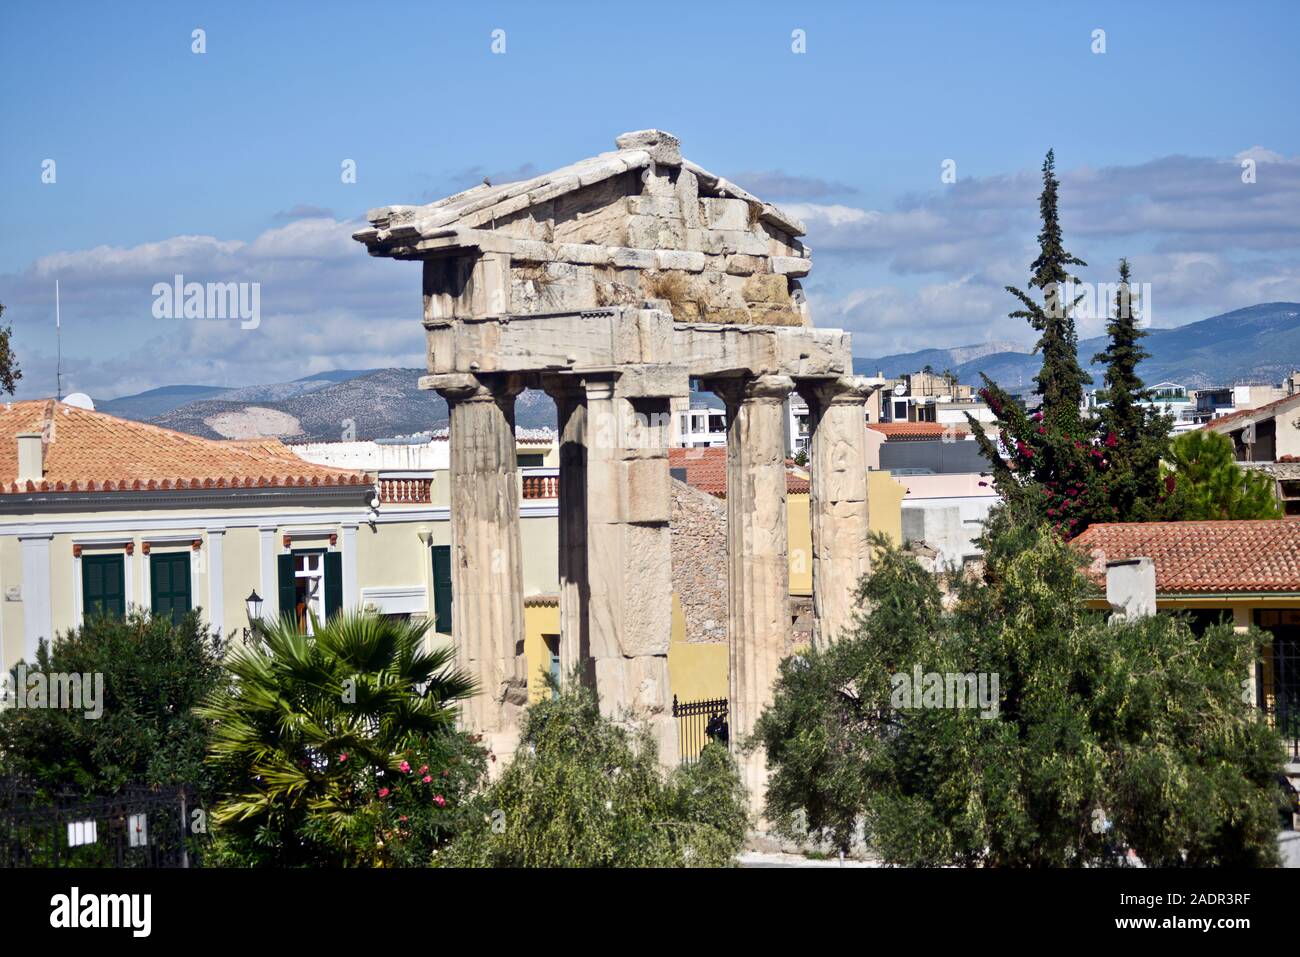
(937, 359)
(1256, 344)
(377, 404)
(144, 406)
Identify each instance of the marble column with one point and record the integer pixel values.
(759, 575)
(629, 558)
(837, 503)
(571, 413)
(486, 562)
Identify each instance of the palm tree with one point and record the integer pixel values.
(311, 722)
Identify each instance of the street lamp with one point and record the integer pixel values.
(253, 605)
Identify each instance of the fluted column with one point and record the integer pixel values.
(486, 567)
(838, 500)
(759, 575)
(571, 410)
(629, 558)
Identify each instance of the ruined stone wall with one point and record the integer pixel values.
(699, 547)
(618, 243)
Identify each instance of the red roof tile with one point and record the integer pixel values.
(1202, 557)
(706, 470)
(914, 431)
(1267, 409)
(86, 451)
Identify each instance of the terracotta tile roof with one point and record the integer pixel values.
(914, 431)
(706, 470)
(1267, 409)
(1203, 557)
(87, 451)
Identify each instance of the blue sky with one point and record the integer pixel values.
(226, 165)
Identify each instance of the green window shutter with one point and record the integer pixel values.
(103, 590)
(169, 584)
(333, 583)
(442, 588)
(288, 593)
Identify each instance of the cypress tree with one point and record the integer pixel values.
(1061, 380)
(1054, 469)
(1136, 433)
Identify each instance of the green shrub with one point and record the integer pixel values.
(1105, 736)
(582, 791)
(313, 727)
(154, 673)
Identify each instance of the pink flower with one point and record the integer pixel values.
(405, 767)
(1111, 441)
(383, 792)
(343, 757)
(439, 800)
(403, 819)
(424, 769)
(427, 779)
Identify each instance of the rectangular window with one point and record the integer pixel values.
(442, 588)
(311, 586)
(169, 584)
(530, 459)
(103, 590)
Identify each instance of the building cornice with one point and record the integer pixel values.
(27, 503)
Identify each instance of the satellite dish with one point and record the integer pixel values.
(80, 400)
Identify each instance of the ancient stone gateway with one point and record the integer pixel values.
(611, 284)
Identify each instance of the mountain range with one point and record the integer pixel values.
(1260, 343)
(361, 404)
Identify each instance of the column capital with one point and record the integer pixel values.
(764, 387)
(469, 387)
(848, 389)
(561, 386)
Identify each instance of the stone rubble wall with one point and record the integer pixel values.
(699, 547)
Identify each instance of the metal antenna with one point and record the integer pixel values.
(58, 337)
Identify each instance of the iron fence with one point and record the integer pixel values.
(698, 723)
(1283, 702)
(136, 827)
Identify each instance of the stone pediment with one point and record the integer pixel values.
(634, 224)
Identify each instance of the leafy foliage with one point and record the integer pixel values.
(154, 673)
(582, 791)
(315, 725)
(9, 371)
(1141, 432)
(1068, 469)
(1105, 736)
(1210, 483)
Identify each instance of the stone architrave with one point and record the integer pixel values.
(758, 586)
(838, 500)
(486, 566)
